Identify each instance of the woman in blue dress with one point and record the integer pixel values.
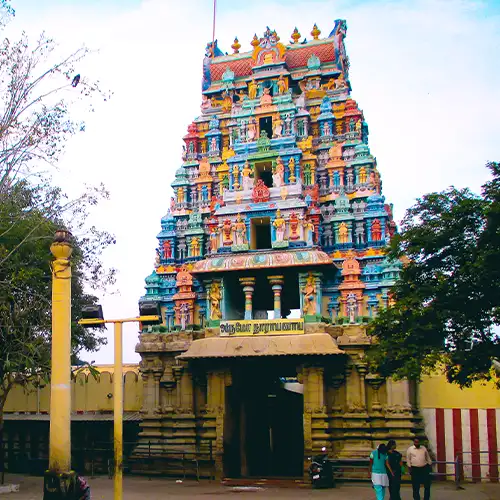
(379, 464)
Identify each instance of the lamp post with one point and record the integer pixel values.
(92, 317)
(59, 479)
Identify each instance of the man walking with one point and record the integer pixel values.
(419, 465)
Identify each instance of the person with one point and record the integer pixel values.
(377, 468)
(396, 462)
(82, 489)
(419, 464)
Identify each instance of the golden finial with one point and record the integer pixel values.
(255, 41)
(295, 35)
(236, 46)
(315, 32)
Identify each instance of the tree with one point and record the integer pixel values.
(25, 282)
(39, 94)
(447, 300)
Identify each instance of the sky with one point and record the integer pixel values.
(424, 72)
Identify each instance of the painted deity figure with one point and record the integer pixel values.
(246, 181)
(279, 173)
(252, 89)
(282, 85)
(362, 175)
(376, 230)
(227, 233)
(252, 129)
(206, 103)
(326, 129)
(240, 230)
(359, 233)
(358, 126)
(213, 144)
(307, 174)
(336, 178)
(352, 125)
(167, 249)
(266, 99)
(300, 128)
(181, 248)
(278, 127)
(204, 192)
(280, 226)
(180, 195)
(236, 177)
(327, 236)
(195, 247)
(343, 233)
(184, 315)
(309, 296)
(227, 102)
(291, 169)
(294, 227)
(215, 297)
(351, 306)
(172, 204)
(309, 227)
(157, 259)
(214, 240)
(340, 82)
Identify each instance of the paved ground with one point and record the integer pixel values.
(139, 488)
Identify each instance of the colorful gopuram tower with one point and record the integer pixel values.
(270, 264)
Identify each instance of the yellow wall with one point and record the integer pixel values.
(436, 392)
(87, 393)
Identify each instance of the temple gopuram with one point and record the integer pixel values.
(270, 265)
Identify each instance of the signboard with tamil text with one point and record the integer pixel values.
(261, 327)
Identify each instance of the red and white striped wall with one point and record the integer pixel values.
(472, 433)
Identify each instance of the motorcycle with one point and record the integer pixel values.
(321, 472)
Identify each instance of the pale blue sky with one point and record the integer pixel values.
(425, 73)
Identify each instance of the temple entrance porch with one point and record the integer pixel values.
(272, 294)
(264, 434)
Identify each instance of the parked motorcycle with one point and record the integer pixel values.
(321, 472)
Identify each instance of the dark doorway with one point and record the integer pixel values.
(266, 124)
(260, 233)
(265, 424)
(264, 171)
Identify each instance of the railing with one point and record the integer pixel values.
(493, 467)
(32, 457)
(350, 469)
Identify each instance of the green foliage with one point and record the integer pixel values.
(447, 297)
(27, 229)
(37, 104)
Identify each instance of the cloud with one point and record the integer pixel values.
(424, 72)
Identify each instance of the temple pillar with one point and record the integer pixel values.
(248, 289)
(356, 427)
(277, 286)
(315, 417)
(216, 403)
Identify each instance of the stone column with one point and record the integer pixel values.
(277, 285)
(362, 368)
(248, 288)
(375, 381)
(177, 372)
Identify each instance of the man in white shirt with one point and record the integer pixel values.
(419, 465)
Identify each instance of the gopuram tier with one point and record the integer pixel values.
(269, 266)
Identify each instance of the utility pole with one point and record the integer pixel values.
(59, 481)
(93, 317)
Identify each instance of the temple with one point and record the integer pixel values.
(270, 263)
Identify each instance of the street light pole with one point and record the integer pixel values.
(59, 479)
(118, 390)
(118, 413)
